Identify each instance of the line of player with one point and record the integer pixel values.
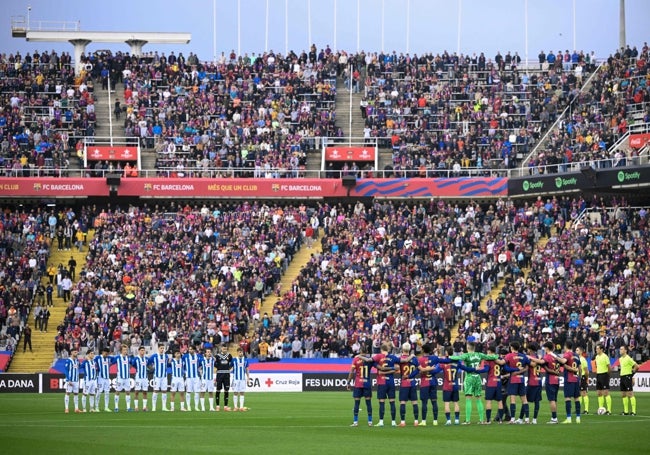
(192, 373)
(519, 373)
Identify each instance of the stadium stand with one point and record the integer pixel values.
(46, 111)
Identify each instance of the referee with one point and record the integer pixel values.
(223, 362)
(628, 368)
(584, 380)
(603, 370)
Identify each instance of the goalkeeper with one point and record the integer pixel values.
(473, 385)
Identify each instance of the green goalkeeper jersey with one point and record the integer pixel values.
(474, 359)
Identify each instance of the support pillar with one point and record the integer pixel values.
(136, 46)
(79, 49)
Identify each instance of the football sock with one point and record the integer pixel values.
(499, 414)
(241, 404)
(608, 401)
(457, 415)
(136, 403)
(116, 401)
(585, 403)
(393, 410)
(196, 401)
(128, 402)
(526, 409)
(448, 415)
(435, 409)
(75, 399)
(601, 402)
(164, 400)
(513, 411)
(144, 403)
(481, 410)
(488, 414)
(225, 398)
(235, 402)
(567, 406)
(368, 407)
(382, 409)
(66, 400)
(468, 409)
(522, 411)
(106, 400)
(83, 402)
(425, 410)
(154, 400)
(356, 410)
(402, 410)
(578, 408)
(633, 403)
(416, 411)
(211, 401)
(92, 401)
(188, 401)
(625, 405)
(536, 409)
(554, 415)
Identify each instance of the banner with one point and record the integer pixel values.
(642, 382)
(111, 153)
(349, 153)
(50, 187)
(276, 382)
(19, 383)
(638, 141)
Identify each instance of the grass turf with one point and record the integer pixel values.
(304, 423)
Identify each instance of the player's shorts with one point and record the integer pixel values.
(571, 390)
(428, 392)
(552, 391)
(408, 393)
(123, 385)
(223, 381)
(515, 389)
(240, 386)
(583, 384)
(103, 385)
(207, 386)
(141, 385)
(90, 387)
(72, 387)
(385, 391)
(160, 384)
(450, 395)
(493, 393)
(357, 392)
(192, 385)
(178, 385)
(602, 381)
(473, 385)
(534, 393)
(627, 384)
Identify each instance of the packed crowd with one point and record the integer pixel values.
(601, 114)
(444, 113)
(45, 111)
(404, 273)
(394, 271)
(24, 250)
(251, 112)
(177, 275)
(587, 285)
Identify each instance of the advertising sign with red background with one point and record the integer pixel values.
(345, 153)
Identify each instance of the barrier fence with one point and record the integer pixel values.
(262, 382)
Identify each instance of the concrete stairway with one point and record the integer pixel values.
(343, 110)
(299, 261)
(498, 287)
(42, 356)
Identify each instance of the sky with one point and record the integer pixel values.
(414, 26)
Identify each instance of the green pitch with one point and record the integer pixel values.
(300, 423)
